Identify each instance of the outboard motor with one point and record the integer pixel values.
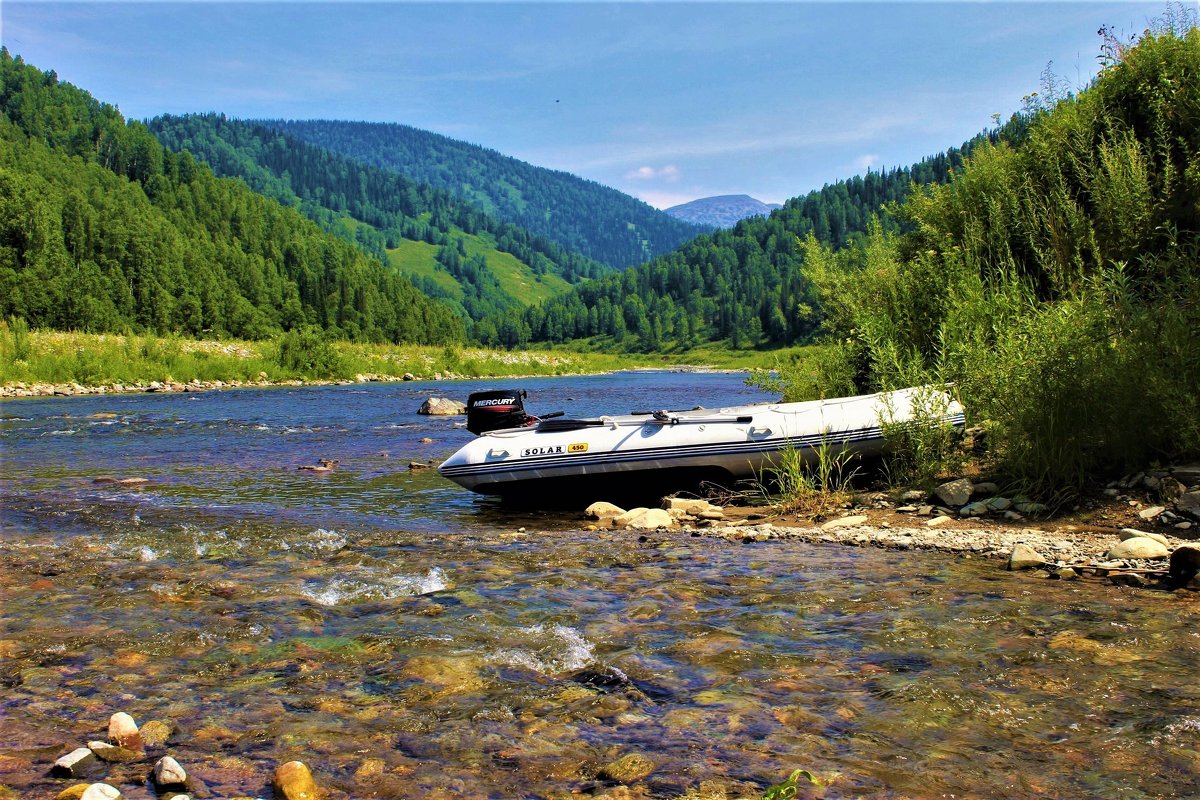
(490, 411)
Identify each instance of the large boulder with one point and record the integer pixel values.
(1138, 547)
(644, 519)
(1189, 504)
(691, 506)
(955, 494)
(602, 510)
(1133, 533)
(1025, 557)
(1185, 564)
(442, 407)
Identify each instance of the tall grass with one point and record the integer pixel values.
(814, 481)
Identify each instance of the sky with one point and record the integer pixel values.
(666, 101)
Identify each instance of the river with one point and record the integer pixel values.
(407, 639)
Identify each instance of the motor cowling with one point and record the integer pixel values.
(496, 409)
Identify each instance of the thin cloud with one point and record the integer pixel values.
(669, 173)
(866, 161)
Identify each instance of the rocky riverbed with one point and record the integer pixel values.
(1127, 534)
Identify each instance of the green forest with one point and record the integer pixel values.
(383, 213)
(103, 229)
(746, 285)
(577, 214)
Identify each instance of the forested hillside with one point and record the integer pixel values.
(577, 214)
(102, 229)
(1056, 283)
(746, 284)
(449, 248)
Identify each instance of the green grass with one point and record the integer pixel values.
(516, 278)
(419, 259)
(30, 357)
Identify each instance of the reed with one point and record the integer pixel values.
(814, 482)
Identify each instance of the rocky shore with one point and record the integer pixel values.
(1142, 531)
(197, 385)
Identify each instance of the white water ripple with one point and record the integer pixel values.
(552, 650)
(344, 591)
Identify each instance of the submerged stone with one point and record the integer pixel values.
(156, 732)
(628, 769)
(111, 752)
(293, 781)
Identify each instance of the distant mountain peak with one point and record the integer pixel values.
(722, 211)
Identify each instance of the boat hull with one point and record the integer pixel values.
(680, 449)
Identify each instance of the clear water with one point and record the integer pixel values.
(405, 639)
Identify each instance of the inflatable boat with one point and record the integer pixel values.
(516, 453)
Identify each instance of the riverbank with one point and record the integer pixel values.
(1126, 534)
(46, 363)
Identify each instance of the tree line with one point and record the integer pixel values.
(103, 229)
(745, 285)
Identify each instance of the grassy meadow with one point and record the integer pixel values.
(55, 357)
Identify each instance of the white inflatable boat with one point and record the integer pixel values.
(661, 451)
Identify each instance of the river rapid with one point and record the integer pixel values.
(407, 639)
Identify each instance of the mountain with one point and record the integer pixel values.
(722, 211)
(446, 246)
(577, 214)
(103, 229)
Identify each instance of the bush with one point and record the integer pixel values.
(308, 352)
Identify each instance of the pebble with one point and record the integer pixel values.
(123, 731)
(168, 774)
(845, 522)
(938, 521)
(73, 763)
(100, 791)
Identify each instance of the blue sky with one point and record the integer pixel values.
(665, 101)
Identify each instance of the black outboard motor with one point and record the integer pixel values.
(490, 411)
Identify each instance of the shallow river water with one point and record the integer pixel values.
(406, 639)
